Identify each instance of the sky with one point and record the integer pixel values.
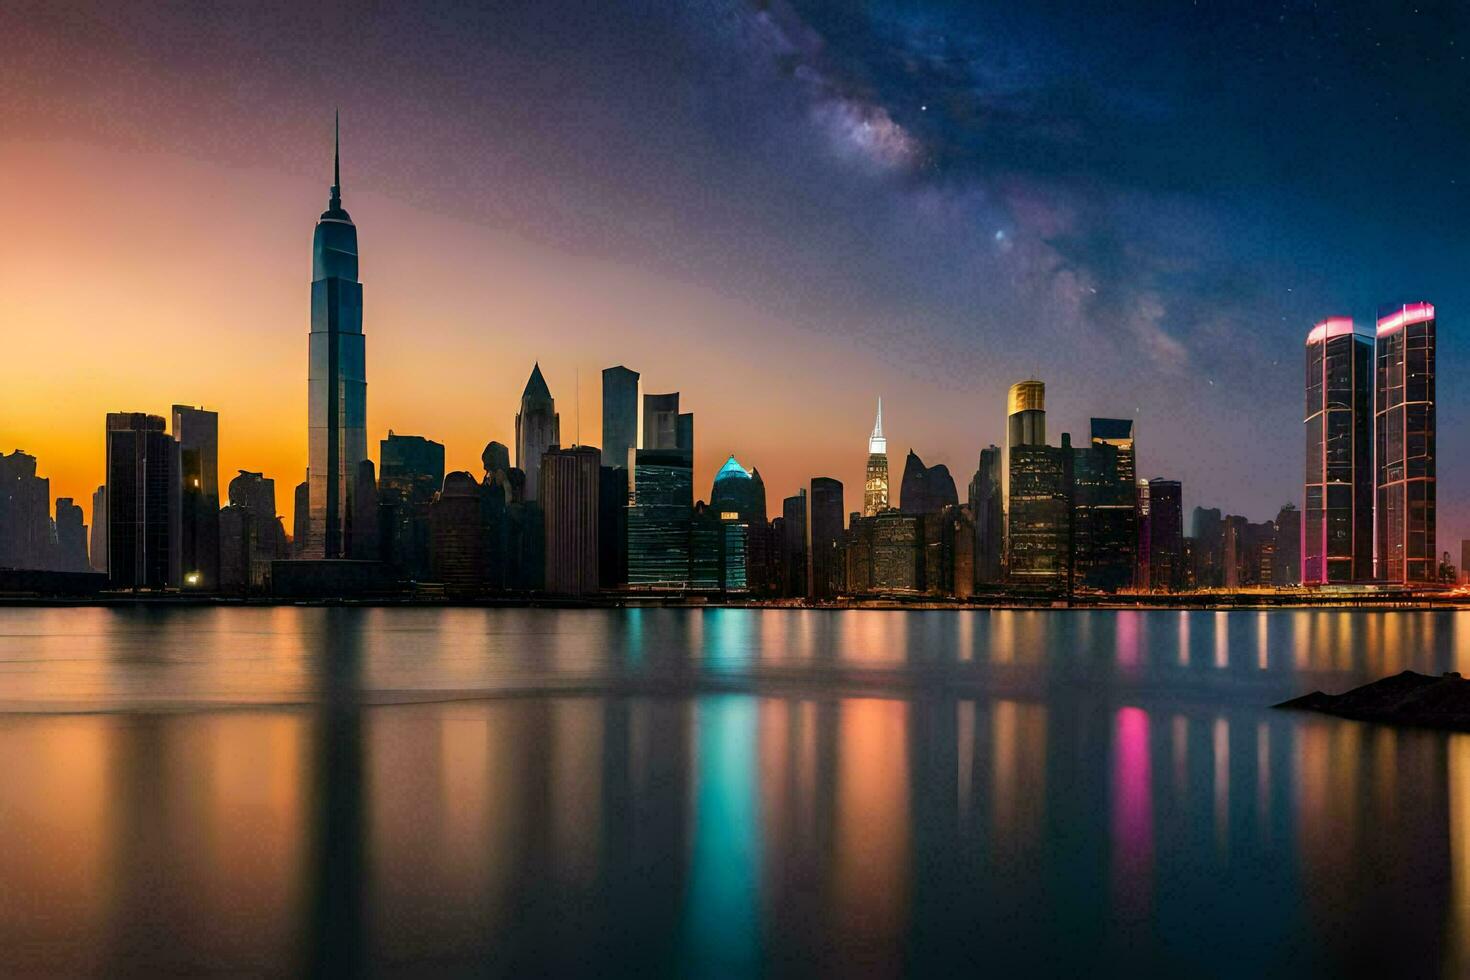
(783, 210)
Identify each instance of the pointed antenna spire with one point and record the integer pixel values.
(876, 442)
(337, 161)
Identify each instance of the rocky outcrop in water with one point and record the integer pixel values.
(1403, 699)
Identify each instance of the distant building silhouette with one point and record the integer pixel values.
(365, 544)
(25, 514)
(253, 525)
(538, 428)
(926, 489)
(300, 519)
(570, 482)
(412, 473)
(792, 544)
(1165, 535)
(197, 540)
(337, 379)
(99, 529)
(1404, 416)
(1337, 522)
(460, 545)
(989, 517)
(71, 537)
(875, 487)
(1287, 568)
(142, 502)
(826, 573)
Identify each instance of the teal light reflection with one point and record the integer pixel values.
(722, 910)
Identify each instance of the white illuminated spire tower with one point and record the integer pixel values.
(875, 490)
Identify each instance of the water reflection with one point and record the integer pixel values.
(725, 793)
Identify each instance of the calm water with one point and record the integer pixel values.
(723, 792)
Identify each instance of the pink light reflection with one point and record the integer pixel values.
(1132, 815)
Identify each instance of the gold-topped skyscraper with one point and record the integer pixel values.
(875, 490)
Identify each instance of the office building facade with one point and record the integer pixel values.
(1337, 519)
(1404, 420)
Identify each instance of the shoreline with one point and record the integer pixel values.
(1160, 603)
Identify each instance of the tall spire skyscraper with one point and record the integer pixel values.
(875, 490)
(337, 377)
(538, 428)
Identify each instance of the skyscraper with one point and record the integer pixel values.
(792, 545)
(538, 428)
(875, 489)
(569, 490)
(619, 415)
(660, 509)
(1039, 516)
(197, 541)
(412, 473)
(1025, 426)
(337, 379)
(1165, 535)
(142, 500)
(825, 577)
(1337, 525)
(664, 427)
(99, 529)
(25, 519)
(71, 537)
(1405, 424)
(620, 437)
(1105, 511)
(989, 515)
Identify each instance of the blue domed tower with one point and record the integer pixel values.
(736, 491)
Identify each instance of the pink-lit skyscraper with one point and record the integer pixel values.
(1405, 426)
(1337, 521)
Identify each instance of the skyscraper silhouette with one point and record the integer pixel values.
(197, 540)
(538, 428)
(337, 378)
(142, 501)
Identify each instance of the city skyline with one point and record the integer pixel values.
(466, 291)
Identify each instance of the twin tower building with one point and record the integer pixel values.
(1369, 511)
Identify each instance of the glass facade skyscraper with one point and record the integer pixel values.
(619, 415)
(1337, 521)
(337, 380)
(661, 506)
(1405, 425)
